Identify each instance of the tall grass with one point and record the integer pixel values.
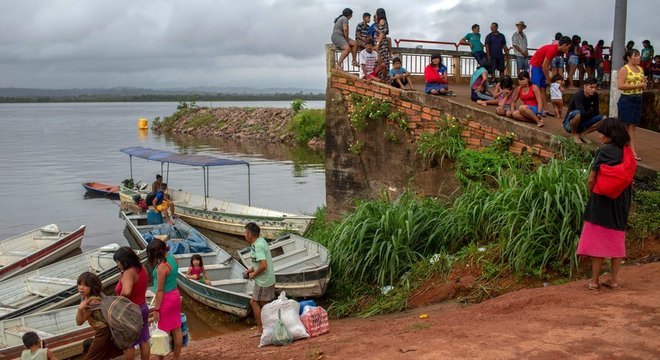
(307, 124)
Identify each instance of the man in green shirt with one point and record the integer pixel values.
(474, 40)
(261, 271)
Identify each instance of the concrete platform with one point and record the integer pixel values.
(648, 142)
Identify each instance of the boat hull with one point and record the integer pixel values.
(102, 189)
(45, 256)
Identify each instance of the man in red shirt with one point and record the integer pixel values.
(540, 63)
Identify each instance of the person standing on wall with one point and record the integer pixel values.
(261, 271)
(519, 43)
(496, 51)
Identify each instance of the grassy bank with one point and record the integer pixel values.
(514, 217)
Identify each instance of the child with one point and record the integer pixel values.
(196, 270)
(399, 75)
(479, 86)
(655, 71)
(556, 94)
(504, 97)
(35, 348)
(607, 70)
(368, 59)
(102, 347)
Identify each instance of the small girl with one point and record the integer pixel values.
(102, 347)
(556, 94)
(196, 270)
(504, 97)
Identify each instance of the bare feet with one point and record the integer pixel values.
(576, 139)
(355, 63)
(539, 123)
(482, 103)
(609, 284)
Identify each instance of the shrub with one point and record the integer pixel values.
(446, 141)
(308, 124)
(644, 220)
(297, 105)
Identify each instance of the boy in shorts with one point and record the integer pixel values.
(399, 75)
(35, 348)
(368, 59)
(362, 32)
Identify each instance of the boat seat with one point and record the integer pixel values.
(281, 243)
(54, 280)
(228, 282)
(216, 266)
(296, 262)
(16, 253)
(21, 330)
(289, 254)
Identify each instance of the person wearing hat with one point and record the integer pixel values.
(519, 42)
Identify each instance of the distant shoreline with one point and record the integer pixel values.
(161, 98)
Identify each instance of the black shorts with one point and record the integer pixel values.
(496, 63)
(396, 83)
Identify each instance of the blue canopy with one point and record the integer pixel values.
(176, 158)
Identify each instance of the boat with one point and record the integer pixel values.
(54, 286)
(228, 290)
(205, 211)
(56, 327)
(102, 189)
(36, 248)
(302, 266)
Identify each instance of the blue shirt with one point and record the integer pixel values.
(477, 74)
(475, 42)
(372, 29)
(159, 197)
(496, 43)
(394, 72)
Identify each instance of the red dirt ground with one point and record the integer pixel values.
(564, 321)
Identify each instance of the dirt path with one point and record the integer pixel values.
(565, 321)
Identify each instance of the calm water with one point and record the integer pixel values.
(48, 150)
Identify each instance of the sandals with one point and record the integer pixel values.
(610, 285)
(592, 286)
(355, 63)
(638, 158)
(539, 123)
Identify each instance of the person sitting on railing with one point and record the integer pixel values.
(341, 40)
(435, 76)
(399, 75)
(530, 95)
(362, 32)
(474, 40)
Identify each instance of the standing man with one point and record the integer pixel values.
(155, 186)
(474, 40)
(261, 271)
(540, 63)
(496, 50)
(519, 43)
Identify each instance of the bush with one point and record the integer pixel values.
(297, 105)
(644, 220)
(308, 124)
(446, 141)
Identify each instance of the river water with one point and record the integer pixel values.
(48, 150)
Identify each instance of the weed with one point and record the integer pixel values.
(420, 326)
(297, 105)
(308, 124)
(445, 142)
(390, 136)
(370, 108)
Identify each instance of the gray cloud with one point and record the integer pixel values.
(168, 43)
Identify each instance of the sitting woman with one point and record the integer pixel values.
(530, 95)
(479, 87)
(435, 75)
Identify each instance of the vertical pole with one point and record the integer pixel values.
(167, 176)
(208, 183)
(617, 50)
(130, 161)
(249, 190)
(204, 178)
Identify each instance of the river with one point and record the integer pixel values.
(48, 150)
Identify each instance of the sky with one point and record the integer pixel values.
(254, 43)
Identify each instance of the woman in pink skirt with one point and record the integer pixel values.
(167, 305)
(605, 219)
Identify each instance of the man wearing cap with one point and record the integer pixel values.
(519, 42)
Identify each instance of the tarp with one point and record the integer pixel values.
(176, 158)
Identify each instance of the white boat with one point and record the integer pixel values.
(207, 212)
(302, 266)
(36, 248)
(228, 291)
(54, 286)
(56, 327)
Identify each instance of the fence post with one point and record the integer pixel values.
(329, 59)
(457, 69)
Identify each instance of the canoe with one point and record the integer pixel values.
(302, 266)
(224, 216)
(228, 291)
(56, 327)
(102, 189)
(54, 286)
(36, 248)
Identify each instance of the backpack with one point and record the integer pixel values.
(613, 179)
(124, 319)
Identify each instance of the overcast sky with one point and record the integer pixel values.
(266, 43)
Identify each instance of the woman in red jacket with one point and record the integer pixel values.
(435, 75)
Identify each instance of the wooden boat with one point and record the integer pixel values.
(302, 266)
(54, 286)
(56, 327)
(102, 189)
(36, 248)
(228, 291)
(208, 212)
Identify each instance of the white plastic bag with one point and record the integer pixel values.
(159, 342)
(289, 309)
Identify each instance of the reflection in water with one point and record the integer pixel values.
(143, 134)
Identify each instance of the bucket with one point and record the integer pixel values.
(154, 217)
(143, 124)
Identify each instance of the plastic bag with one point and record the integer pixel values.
(289, 315)
(281, 335)
(159, 342)
(315, 320)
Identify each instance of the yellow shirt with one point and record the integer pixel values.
(633, 78)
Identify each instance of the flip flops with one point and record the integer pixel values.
(608, 284)
(592, 286)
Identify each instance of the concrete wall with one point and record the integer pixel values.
(385, 166)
